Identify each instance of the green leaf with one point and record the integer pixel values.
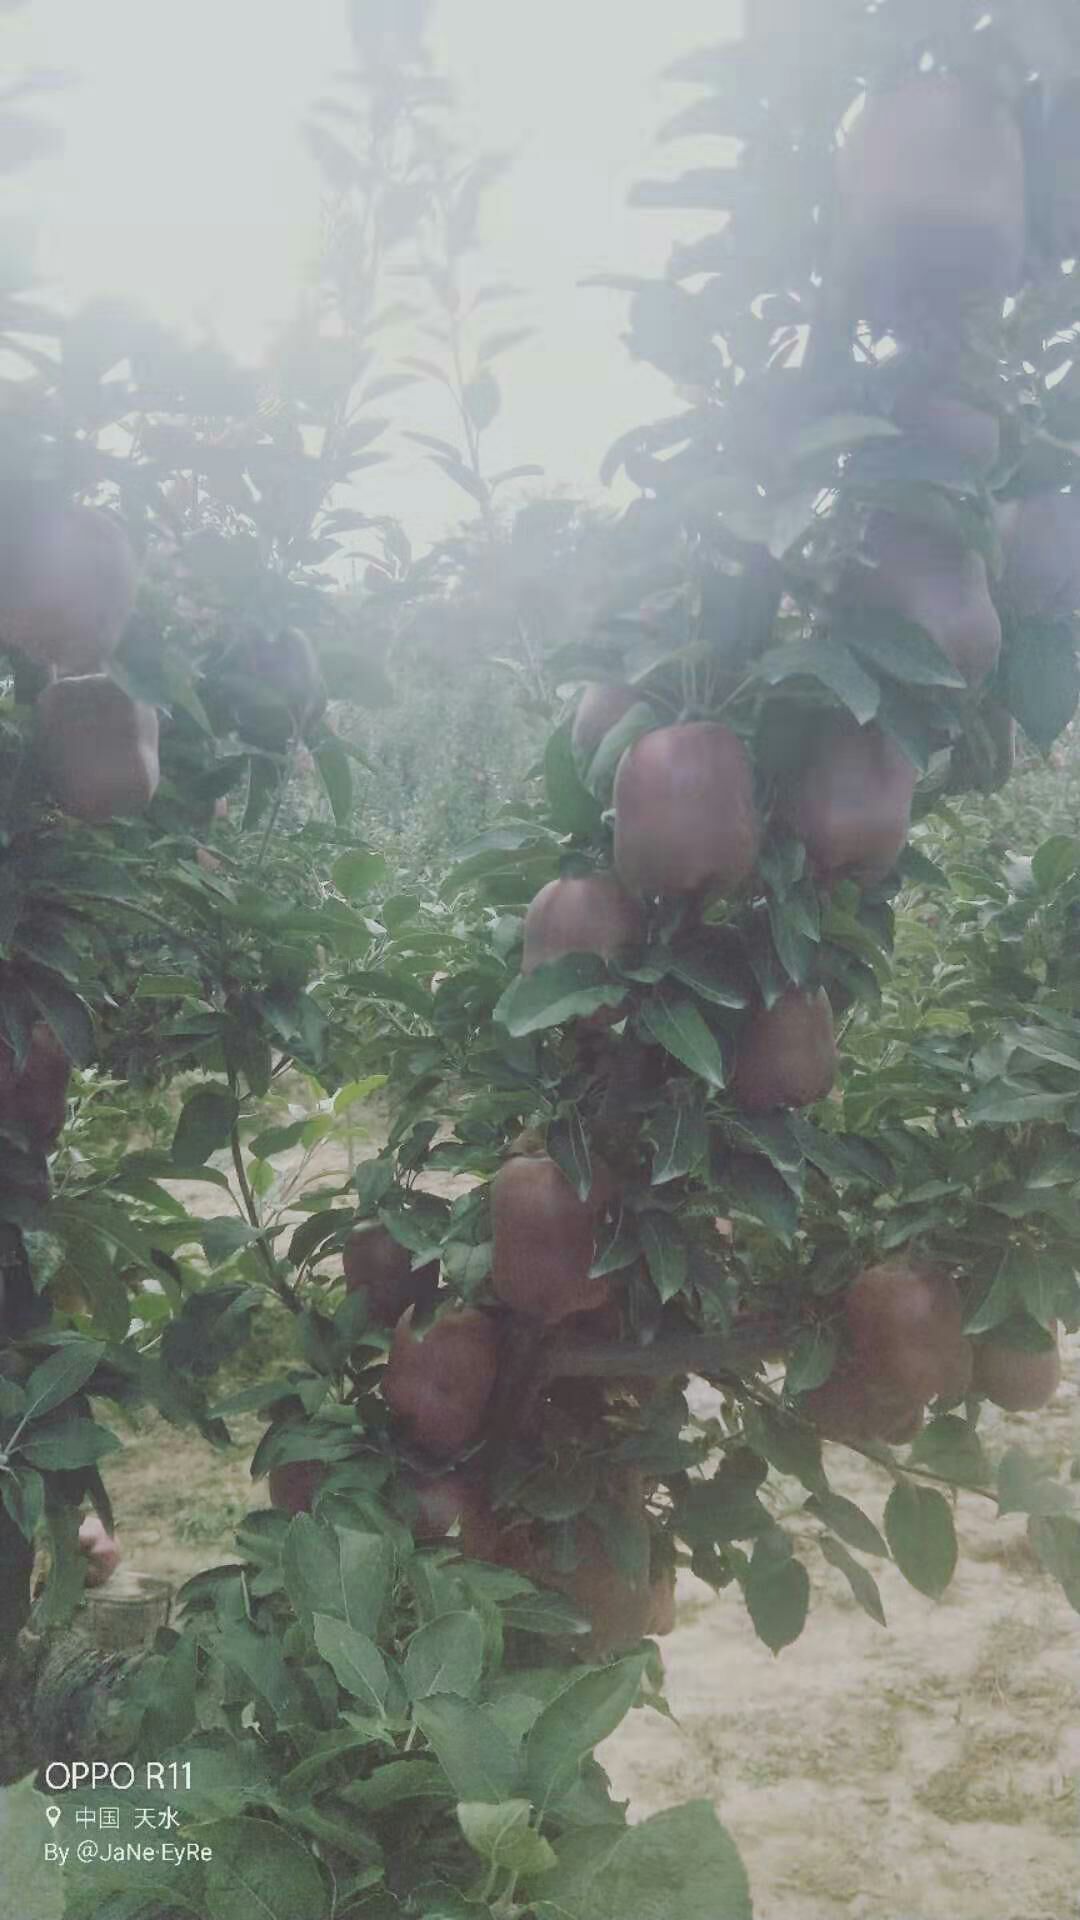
(336, 776)
(575, 1722)
(830, 663)
(863, 1585)
(474, 1752)
(260, 1871)
(373, 1180)
(571, 807)
(23, 1493)
(223, 1237)
(560, 1491)
(788, 1445)
(1055, 861)
(205, 1124)
(777, 1591)
(545, 1613)
(905, 652)
(566, 989)
(677, 1865)
(64, 1586)
(1056, 1540)
(356, 873)
(482, 399)
(503, 1836)
(949, 1447)
(753, 1187)
(1004, 1103)
(666, 1255)
(367, 1572)
(602, 768)
(1025, 1486)
(920, 1531)
(999, 1300)
(63, 1374)
(1038, 678)
(713, 973)
(848, 1521)
(568, 1146)
(68, 1444)
(64, 1012)
(725, 1508)
(811, 1359)
(168, 986)
(446, 1656)
(680, 1138)
(30, 1887)
(619, 1249)
(393, 1784)
(843, 1156)
(676, 1024)
(358, 1665)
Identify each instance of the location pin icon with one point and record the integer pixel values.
(52, 1815)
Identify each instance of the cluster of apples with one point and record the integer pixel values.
(438, 1383)
(903, 1346)
(67, 588)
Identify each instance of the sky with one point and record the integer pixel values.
(184, 184)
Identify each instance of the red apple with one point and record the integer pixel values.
(439, 1383)
(67, 585)
(99, 747)
(685, 816)
(787, 1053)
(851, 804)
(545, 1239)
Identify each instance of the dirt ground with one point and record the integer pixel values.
(930, 1771)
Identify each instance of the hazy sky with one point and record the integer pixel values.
(184, 183)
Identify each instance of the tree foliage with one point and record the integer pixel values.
(388, 1714)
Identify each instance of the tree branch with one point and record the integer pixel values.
(701, 1353)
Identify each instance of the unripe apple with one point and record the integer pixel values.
(851, 803)
(99, 747)
(1012, 1378)
(294, 1484)
(600, 708)
(545, 1239)
(380, 1268)
(931, 579)
(787, 1053)
(34, 1102)
(67, 586)
(685, 817)
(932, 197)
(439, 1383)
(983, 761)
